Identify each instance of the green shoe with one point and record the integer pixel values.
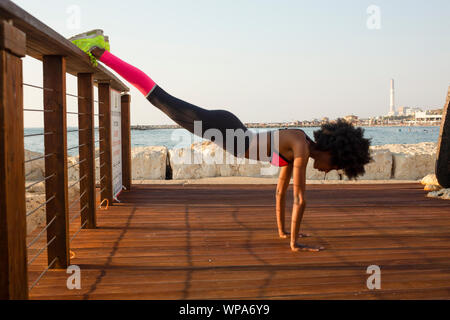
(88, 40)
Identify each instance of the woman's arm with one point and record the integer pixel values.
(283, 183)
(300, 163)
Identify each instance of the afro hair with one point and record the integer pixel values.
(349, 149)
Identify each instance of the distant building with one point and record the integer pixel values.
(425, 116)
(413, 111)
(351, 118)
(402, 111)
(436, 111)
(408, 111)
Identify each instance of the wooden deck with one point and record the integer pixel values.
(221, 242)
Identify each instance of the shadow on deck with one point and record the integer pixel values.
(221, 242)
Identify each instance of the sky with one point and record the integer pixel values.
(266, 60)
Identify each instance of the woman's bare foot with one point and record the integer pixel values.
(97, 52)
(285, 235)
(301, 247)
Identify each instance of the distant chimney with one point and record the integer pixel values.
(392, 104)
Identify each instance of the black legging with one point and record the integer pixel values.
(184, 114)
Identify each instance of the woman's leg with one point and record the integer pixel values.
(183, 113)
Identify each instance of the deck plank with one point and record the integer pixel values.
(220, 242)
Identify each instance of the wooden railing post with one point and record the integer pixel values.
(13, 231)
(126, 142)
(87, 149)
(442, 169)
(104, 98)
(55, 128)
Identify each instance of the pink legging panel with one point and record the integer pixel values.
(132, 74)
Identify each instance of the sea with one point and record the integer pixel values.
(180, 138)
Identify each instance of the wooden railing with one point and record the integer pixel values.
(20, 35)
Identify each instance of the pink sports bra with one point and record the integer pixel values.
(277, 159)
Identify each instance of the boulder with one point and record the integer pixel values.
(314, 174)
(430, 179)
(73, 174)
(431, 187)
(38, 218)
(409, 166)
(441, 194)
(149, 163)
(188, 163)
(35, 170)
(412, 161)
(380, 168)
(430, 182)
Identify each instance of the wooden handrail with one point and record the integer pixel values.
(21, 34)
(43, 41)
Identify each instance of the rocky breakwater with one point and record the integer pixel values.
(206, 159)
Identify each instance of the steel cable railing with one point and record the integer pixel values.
(77, 164)
(71, 217)
(77, 200)
(36, 110)
(50, 265)
(38, 134)
(76, 147)
(41, 206)
(77, 182)
(82, 200)
(38, 182)
(49, 203)
(100, 159)
(47, 244)
(39, 236)
(36, 87)
(39, 158)
(77, 232)
(78, 213)
(49, 89)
